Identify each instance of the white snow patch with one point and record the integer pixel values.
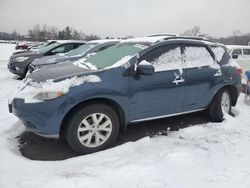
(28, 90)
(145, 39)
(6, 50)
(86, 65)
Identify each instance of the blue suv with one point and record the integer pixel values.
(87, 102)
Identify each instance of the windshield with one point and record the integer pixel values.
(47, 48)
(112, 55)
(80, 50)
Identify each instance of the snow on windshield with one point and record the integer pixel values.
(28, 89)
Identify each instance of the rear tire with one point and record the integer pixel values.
(221, 105)
(92, 128)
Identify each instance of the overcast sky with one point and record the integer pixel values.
(127, 17)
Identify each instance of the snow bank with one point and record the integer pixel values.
(205, 155)
(6, 51)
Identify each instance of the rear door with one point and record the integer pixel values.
(202, 74)
(162, 93)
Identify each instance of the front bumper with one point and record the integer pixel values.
(18, 68)
(43, 118)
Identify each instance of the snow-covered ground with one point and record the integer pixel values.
(207, 155)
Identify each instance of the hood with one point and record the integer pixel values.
(58, 72)
(26, 54)
(21, 51)
(49, 60)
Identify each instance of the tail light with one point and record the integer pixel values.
(239, 71)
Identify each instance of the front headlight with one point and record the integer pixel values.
(44, 96)
(20, 59)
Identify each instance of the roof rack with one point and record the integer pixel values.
(190, 38)
(163, 34)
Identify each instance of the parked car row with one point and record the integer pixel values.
(241, 54)
(19, 63)
(89, 94)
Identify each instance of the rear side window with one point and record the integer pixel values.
(164, 58)
(236, 51)
(197, 56)
(246, 51)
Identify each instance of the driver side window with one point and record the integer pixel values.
(164, 58)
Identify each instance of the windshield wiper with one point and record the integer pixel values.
(86, 65)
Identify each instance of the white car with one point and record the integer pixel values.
(241, 54)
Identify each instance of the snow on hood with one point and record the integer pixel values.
(28, 89)
(58, 72)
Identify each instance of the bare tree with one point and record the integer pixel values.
(53, 32)
(91, 37)
(195, 31)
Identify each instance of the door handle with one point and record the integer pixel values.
(179, 80)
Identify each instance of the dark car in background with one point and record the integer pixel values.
(140, 79)
(90, 47)
(19, 63)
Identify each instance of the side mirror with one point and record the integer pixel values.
(145, 68)
(235, 56)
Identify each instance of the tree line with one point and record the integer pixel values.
(237, 38)
(43, 33)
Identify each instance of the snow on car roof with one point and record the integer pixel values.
(70, 41)
(146, 39)
(104, 41)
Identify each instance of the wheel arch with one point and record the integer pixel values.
(116, 106)
(233, 93)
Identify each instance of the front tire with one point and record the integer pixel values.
(92, 128)
(220, 105)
